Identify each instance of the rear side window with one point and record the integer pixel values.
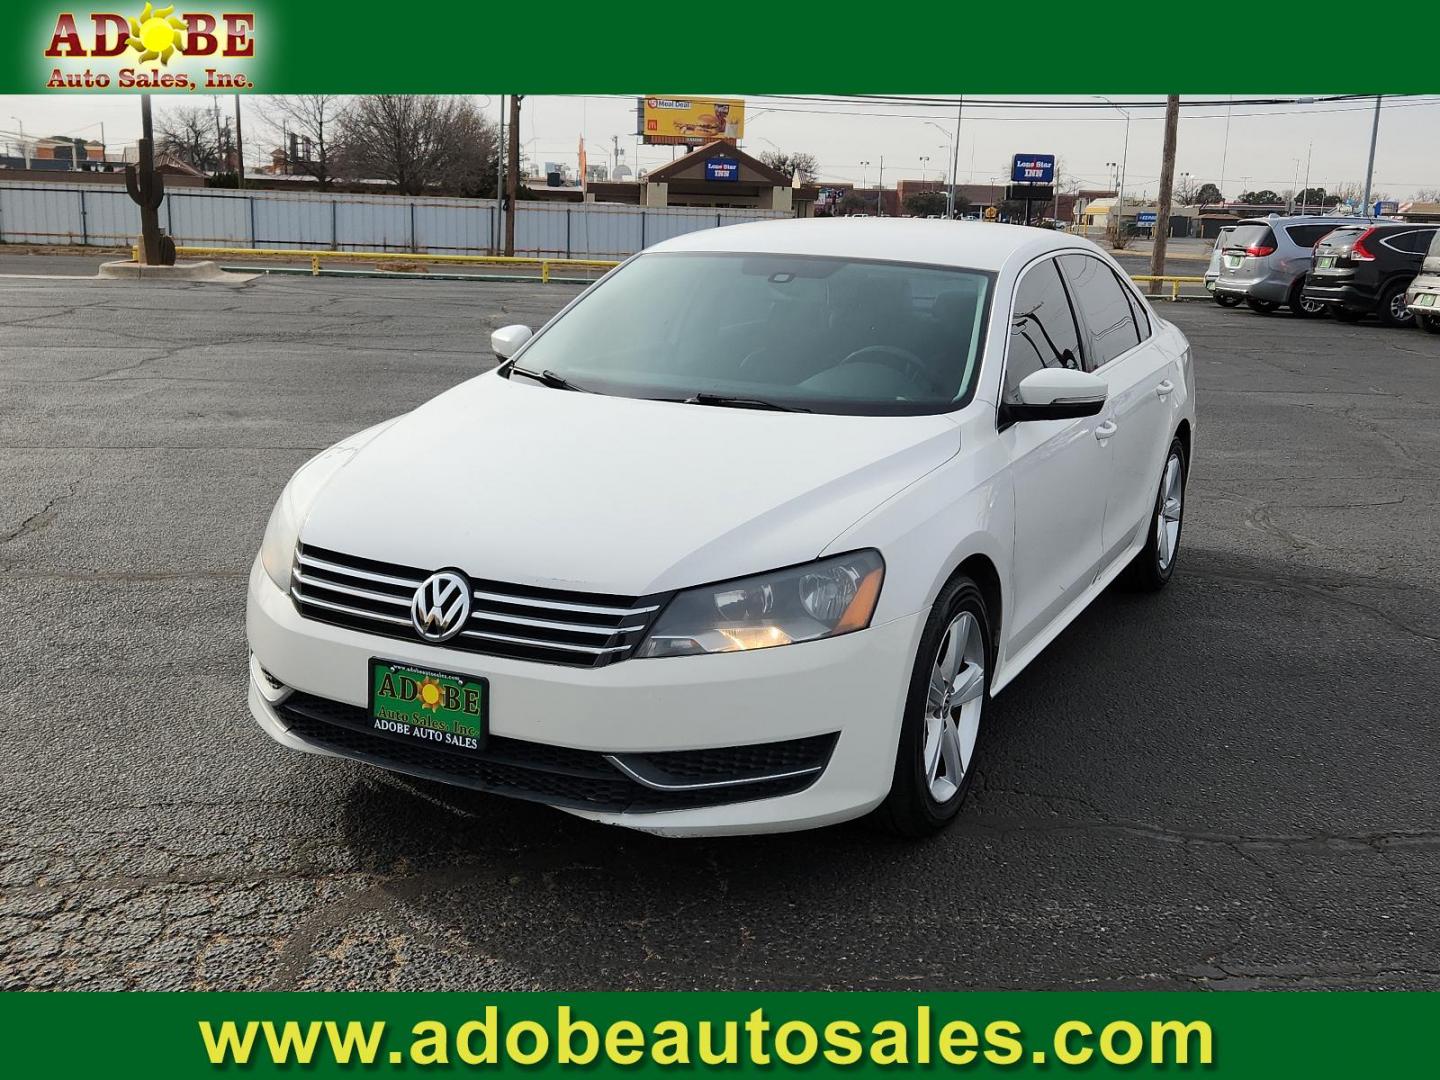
(1248, 236)
(1411, 241)
(1105, 307)
(1308, 235)
(1043, 332)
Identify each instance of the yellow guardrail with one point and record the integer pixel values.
(1175, 280)
(544, 264)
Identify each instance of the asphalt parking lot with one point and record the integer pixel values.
(1233, 784)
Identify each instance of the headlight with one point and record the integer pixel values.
(801, 603)
(282, 533)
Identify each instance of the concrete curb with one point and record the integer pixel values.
(199, 271)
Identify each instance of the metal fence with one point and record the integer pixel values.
(102, 215)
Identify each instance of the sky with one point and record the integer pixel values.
(1258, 147)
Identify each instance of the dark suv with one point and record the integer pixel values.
(1365, 269)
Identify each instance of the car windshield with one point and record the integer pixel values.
(1343, 237)
(788, 331)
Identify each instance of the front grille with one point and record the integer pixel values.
(561, 776)
(523, 622)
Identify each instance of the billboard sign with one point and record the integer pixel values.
(671, 121)
(722, 168)
(1145, 217)
(1033, 169)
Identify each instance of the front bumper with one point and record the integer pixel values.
(853, 687)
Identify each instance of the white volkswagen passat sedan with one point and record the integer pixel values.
(743, 539)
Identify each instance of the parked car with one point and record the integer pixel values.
(1423, 297)
(1265, 260)
(745, 538)
(1212, 271)
(1365, 269)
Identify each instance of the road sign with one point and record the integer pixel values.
(1033, 169)
(991, 213)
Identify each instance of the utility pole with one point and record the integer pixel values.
(239, 147)
(512, 174)
(1167, 186)
(495, 233)
(24, 146)
(1370, 166)
(880, 190)
(954, 161)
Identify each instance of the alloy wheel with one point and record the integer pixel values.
(953, 705)
(1167, 517)
(1399, 310)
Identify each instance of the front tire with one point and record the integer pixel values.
(939, 736)
(1152, 568)
(1430, 323)
(1261, 307)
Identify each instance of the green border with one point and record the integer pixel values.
(843, 46)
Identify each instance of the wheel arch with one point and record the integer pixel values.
(1182, 432)
(981, 569)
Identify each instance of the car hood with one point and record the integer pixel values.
(521, 483)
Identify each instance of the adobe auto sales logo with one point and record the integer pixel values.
(156, 49)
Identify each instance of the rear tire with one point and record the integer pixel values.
(1392, 310)
(941, 730)
(1261, 307)
(1152, 567)
(1226, 300)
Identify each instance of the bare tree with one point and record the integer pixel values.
(190, 134)
(418, 143)
(312, 120)
(1431, 195)
(789, 164)
(1187, 191)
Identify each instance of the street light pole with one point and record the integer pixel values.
(1124, 160)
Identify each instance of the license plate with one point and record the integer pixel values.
(1325, 262)
(434, 708)
(1232, 262)
(1426, 299)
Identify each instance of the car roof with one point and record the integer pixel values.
(1308, 219)
(974, 245)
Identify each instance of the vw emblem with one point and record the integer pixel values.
(441, 606)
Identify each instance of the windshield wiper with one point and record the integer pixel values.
(728, 402)
(550, 379)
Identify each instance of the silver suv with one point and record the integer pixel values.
(1265, 260)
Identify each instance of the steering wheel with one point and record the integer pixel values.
(892, 356)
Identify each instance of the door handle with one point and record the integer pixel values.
(1104, 430)
(1164, 388)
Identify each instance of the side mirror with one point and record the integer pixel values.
(1056, 394)
(506, 341)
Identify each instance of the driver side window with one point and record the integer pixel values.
(1043, 332)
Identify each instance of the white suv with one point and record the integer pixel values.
(745, 538)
